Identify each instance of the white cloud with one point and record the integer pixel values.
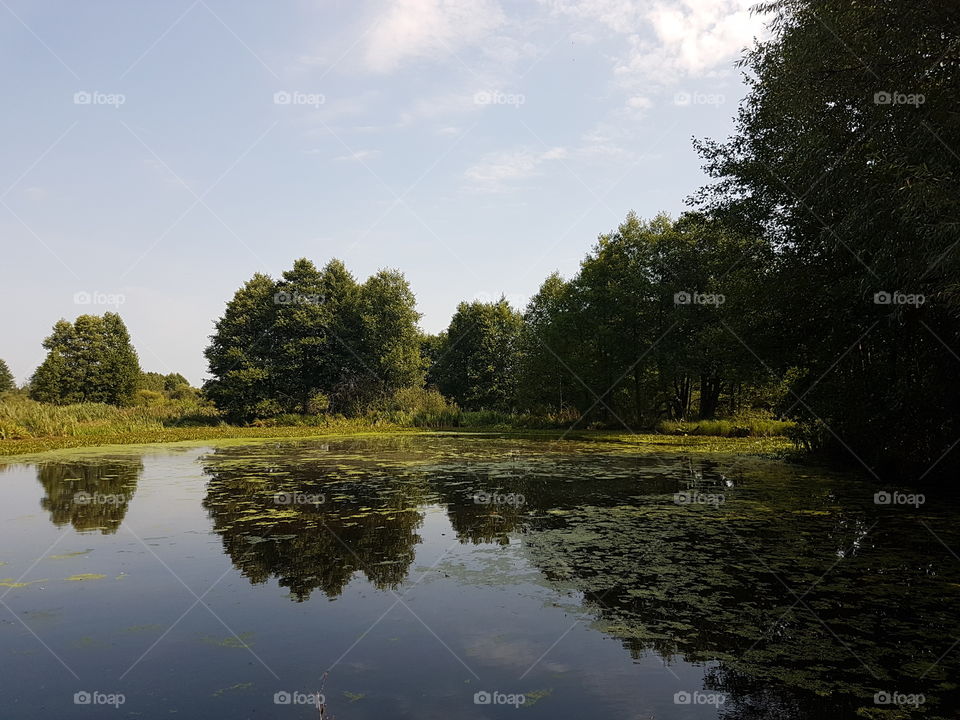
(360, 155)
(670, 39)
(495, 172)
(413, 29)
(692, 37)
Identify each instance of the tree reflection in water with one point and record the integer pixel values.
(92, 495)
(804, 596)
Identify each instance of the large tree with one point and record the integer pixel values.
(845, 156)
(89, 360)
(478, 356)
(314, 340)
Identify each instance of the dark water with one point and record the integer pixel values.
(428, 574)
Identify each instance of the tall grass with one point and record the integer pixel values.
(21, 418)
(738, 427)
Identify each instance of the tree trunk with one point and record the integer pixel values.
(710, 386)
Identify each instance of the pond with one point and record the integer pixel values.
(450, 576)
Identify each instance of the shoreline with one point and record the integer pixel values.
(769, 446)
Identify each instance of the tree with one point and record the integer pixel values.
(89, 360)
(242, 355)
(840, 158)
(314, 340)
(478, 359)
(389, 342)
(549, 343)
(6, 378)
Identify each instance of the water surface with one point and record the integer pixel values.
(426, 575)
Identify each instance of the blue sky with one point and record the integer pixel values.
(158, 154)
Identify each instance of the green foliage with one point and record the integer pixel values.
(421, 407)
(477, 358)
(618, 344)
(739, 427)
(314, 341)
(147, 397)
(856, 195)
(24, 418)
(6, 378)
(89, 360)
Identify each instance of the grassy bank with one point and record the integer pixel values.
(30, 427)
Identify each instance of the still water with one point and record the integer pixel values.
(443, 576)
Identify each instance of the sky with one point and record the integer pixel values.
(157, 155)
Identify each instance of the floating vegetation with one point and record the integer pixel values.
(12, 583)
(68, 556)
(233, 688)
(243, 640)
(85, 577)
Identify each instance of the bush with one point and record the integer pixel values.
(419, 407)
(148, 397)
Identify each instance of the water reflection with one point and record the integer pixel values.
(805, 597)
(309, 528)
(89, 495)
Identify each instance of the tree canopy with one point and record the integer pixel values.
(88, 360)
(314, 340)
